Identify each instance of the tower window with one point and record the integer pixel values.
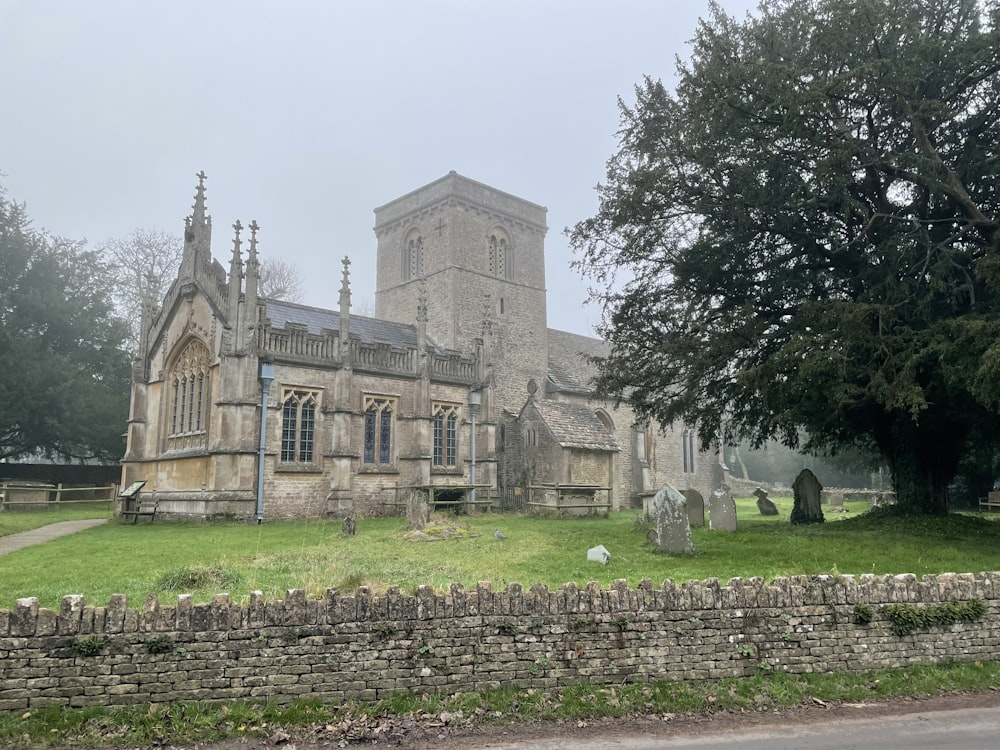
(499, 254)
(413, 256)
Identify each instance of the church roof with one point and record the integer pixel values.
(316, 319)
(570, 370)
(575, 425)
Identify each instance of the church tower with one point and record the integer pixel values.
(479, 254)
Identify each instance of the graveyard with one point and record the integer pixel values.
(205, 559)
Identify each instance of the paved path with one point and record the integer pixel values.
(14, 542)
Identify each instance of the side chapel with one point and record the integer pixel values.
(458, 358)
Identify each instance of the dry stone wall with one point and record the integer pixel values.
(367, 647)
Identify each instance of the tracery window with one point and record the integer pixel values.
(189, 390)
(413, 256)
(499, 251)
(377, 444)
(298, 425)
(445, 435)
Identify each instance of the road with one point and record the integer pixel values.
(964, 729)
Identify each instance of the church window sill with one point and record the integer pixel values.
(298, 468)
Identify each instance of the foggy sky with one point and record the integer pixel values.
(308, 115)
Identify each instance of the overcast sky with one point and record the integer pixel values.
(308, 115)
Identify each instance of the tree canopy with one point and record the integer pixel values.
(805, 235)
(64, 375)
(280, 280)
(144, 264)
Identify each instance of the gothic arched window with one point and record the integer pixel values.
(445, 435)
(188, 383)
(298, 425)
(377, 445)
(499, 253)
(412, 261)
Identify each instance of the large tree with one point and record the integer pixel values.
(64, 375)
(806, 234)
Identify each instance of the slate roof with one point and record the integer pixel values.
(575, 425)
(315, 319)
(569, 370)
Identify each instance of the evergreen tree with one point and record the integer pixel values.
(805, 234)
(64, 376)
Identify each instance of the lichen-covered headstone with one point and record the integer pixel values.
(418, 511)
(764, 503)
(696, 507)
(673, 529)
(722, 511)
(807, 491)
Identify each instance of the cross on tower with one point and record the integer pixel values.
(440, 227)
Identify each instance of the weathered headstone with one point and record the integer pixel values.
(599, 554)
(349, 526)
(673, 529)
(696, 507)
(833, 498)
(722, 511)
(418, 511)
(806, 490)
(764, 503)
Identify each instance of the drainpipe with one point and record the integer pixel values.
(266, 378)
(475, 399)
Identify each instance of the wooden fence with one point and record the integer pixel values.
(23, 496)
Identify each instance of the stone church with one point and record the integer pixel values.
(456, 383)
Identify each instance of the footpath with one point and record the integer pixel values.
(14, 542)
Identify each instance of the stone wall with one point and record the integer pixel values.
(368, 647)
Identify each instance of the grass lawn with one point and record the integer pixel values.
(204, 559)
(15, 521)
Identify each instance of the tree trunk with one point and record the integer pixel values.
(923, 458)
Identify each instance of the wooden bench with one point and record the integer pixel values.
(143, 508)
(990, 502)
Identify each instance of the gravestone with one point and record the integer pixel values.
(807, 491)
(599, 554)
(722, 511)
(764, 503)
(696, 507)
(418, 511)
(349, 527)
(833, 498)
(673, 529)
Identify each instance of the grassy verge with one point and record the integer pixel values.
(204, 559)
(179, 723)
(15, 521)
